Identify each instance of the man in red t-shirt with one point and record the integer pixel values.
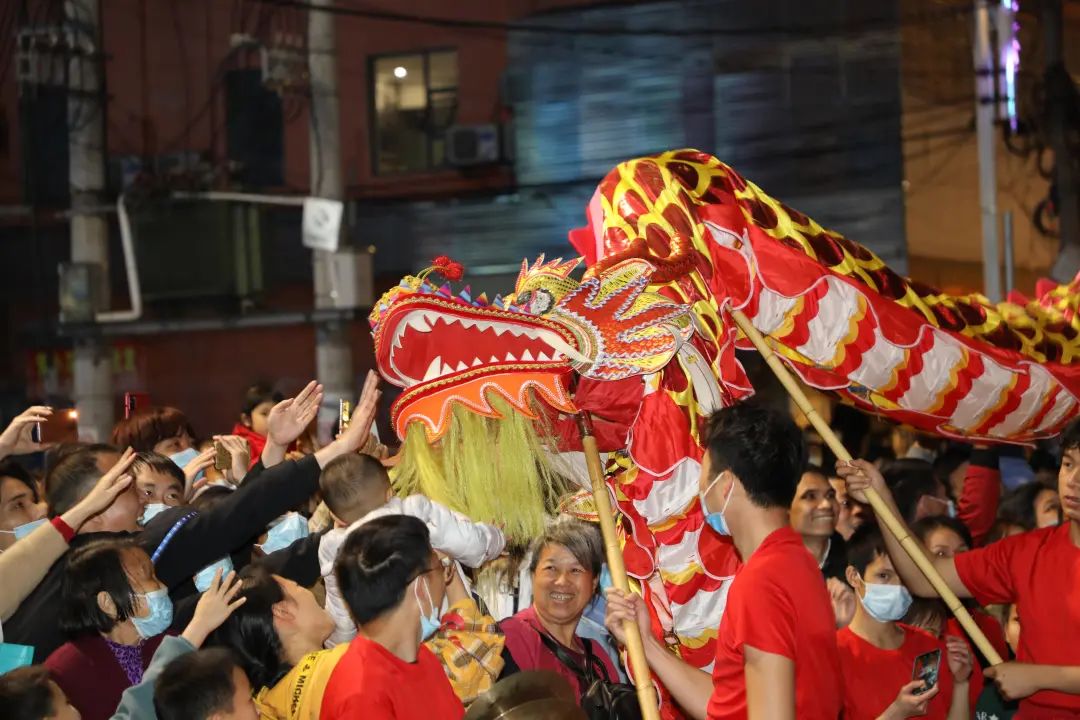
(393, 583)
(776, 649)
(1039, 571)
(878, 653)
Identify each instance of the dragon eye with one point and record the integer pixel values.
(541, 302)
(523, 299)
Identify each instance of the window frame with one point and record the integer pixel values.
(429, 92)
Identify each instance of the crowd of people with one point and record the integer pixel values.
(260, 574)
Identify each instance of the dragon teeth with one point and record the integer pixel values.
(527, 355)
(433, 369)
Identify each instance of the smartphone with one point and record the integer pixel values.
(222, 456)
(344, 415)
(133, 401)
(926, 669)
(61, 427)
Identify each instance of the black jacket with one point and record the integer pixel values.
(203, 539)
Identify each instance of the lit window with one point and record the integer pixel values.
(415, 100)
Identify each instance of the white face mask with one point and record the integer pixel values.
(886, 603)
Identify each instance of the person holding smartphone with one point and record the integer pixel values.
(890, 668)
(1037, 570)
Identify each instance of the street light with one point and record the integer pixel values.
(400, 72)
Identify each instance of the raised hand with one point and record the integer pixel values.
(959, 659)
(241, 457)
(289, 418)
(17, 438)
(860, 476)
(199, 463)
(214, 607)
(843, 601)
(359, 429)
(115, 481)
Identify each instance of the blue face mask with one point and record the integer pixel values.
(429, 624)
(151, 511)
(15, 656)
(287, 531)
(716, 520)
(886, 603)
(183, 457)
(205, 577)
(160, 617)
(25, 529)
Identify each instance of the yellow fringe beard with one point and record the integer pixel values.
(495, 470)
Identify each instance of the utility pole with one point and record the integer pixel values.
(92, 369)
(336, 278)
(1059, 95)
(985, 110)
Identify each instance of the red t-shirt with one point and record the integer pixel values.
(371, 682)
(1039, 571)
(778, 604)
(873, 677)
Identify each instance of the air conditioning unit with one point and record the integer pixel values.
(473, 145)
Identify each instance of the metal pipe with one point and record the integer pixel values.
(131, 269)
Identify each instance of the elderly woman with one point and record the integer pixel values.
(116, 611)
(565, 571)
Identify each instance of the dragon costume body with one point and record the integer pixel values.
(643, 342)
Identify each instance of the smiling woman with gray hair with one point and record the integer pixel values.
(565, 568)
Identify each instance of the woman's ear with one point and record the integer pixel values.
(106, 605)
(245, 420)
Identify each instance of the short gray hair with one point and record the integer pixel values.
(580, 538)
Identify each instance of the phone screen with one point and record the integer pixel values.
(61, 427)
(926, 669)
(344, 415)
(222, 456)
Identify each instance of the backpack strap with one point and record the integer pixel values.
(586, 675)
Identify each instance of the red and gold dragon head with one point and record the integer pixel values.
(446, 349)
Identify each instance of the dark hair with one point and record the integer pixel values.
(351, 482)
(580, 538)
(1017, 506)
(864, 546)
(258, 394)
(195, 686)
(377, 562)
(156, 462)
(927, 611)
(146, 428)
(91, 569)
(1070, 438)
(73, 477)
(947, 462)
(762, 448)
(922, 528)
(910, 479)
(25, 694)
(249, 632)
(15, 471)
(1042, 459)
(210, 497)
(815, 469)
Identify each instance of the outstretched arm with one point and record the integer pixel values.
(861, 475)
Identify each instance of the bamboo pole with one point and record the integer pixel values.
(884, 514)
(635, 650)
